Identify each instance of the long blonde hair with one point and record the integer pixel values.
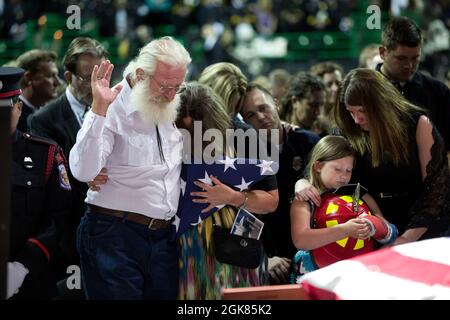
(388, 113)
(228, 81)
(327, 149)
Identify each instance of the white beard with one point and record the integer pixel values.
(153, 109)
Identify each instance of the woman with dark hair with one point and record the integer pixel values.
(303, 100)
(201, 103)
(401, 157)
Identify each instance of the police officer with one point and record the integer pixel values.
(261, 111)
(40, 202)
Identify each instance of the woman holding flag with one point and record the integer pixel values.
(202, 276)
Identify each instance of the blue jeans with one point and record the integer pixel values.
(121, 259)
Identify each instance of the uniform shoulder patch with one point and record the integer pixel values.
(64, 182)
(63, 176)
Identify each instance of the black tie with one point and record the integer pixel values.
(86, 109)
(398, 86)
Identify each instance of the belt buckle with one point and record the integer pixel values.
(150, 225)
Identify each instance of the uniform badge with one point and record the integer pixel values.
(297, 163)
(28, 163)
(63, 177)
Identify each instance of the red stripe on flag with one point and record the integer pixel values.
(393, 263)
(316, 293)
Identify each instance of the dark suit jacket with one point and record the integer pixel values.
(57, 122)
(433, 96)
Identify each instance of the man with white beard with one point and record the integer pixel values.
(125, 238)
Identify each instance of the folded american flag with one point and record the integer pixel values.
(237, 173)
(412, 271)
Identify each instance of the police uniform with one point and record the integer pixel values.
(40, 203)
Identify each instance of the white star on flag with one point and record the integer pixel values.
(198, 222)
(176, 222)
(183, 186)
(228, 162)
(243, 171)
(244, 185)
(207, 180)
(265, 166)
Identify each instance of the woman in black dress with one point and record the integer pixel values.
(401, 156)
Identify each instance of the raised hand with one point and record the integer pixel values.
(102, 94)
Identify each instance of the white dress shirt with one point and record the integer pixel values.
(138, 179)
(77, 108)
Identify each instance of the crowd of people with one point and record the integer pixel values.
(96, 166)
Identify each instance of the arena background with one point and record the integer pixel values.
(258, 35)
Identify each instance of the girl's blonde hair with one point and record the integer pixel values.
(327, 149)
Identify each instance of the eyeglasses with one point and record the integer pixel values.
(82, 79)
(167, 89)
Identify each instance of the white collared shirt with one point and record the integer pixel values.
(138, 180)
(77, 108)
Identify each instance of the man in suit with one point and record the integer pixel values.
(400, 51)
(39, 83)
(61, 120)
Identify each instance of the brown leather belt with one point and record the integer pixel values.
(151, 223)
